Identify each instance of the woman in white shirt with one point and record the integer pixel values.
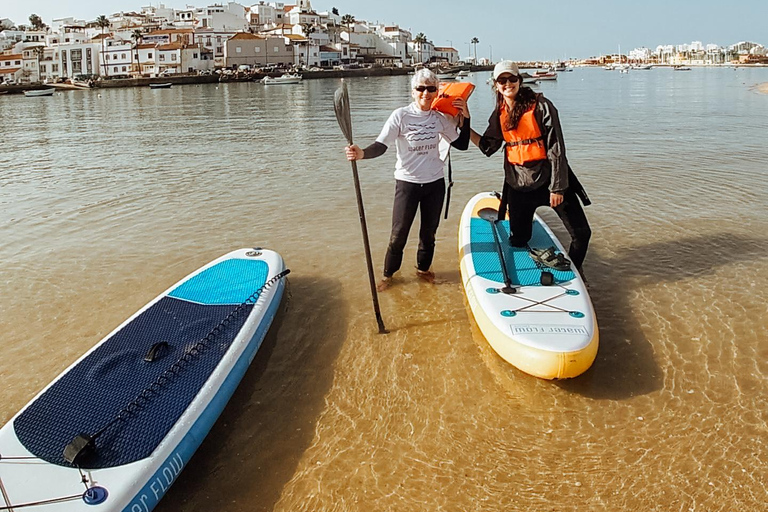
(416, 130)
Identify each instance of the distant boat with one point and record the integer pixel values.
(71, 85)
(160, 86)
(545, 75)
(643, 66)
(463, 73)
(447, 76)
(39, 92)
(285, 79)
(681, 68)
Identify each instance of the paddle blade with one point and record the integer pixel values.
(489, 214)
(341, 107)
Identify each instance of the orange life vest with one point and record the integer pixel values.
(524, 143)
(449, 92)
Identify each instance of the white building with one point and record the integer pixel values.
(230, 17)
(117, 59)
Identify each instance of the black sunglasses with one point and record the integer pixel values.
(422, 88)
(504, 79)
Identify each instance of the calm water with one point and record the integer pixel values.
(108, 197)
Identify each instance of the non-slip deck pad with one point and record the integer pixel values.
(521, 268)
(93, 392)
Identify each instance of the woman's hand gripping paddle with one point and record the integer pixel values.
(341, 107)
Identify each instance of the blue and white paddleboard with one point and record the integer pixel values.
(544, 327)
(115, 429)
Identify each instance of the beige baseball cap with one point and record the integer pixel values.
(505, 66)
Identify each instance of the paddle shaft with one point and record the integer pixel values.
(341, 108)
(366, 243)
(507, 280)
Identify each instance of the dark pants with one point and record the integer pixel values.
(410, 197)
(522, 206)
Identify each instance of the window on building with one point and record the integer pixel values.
(149, 56)
(115, 69)
(173, 56)
(122, 56)
(258, 49)
(238, 49)
(194, 55)
(277, 49)
(124, 69)
(161, 57)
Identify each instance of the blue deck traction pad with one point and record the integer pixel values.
(521, 268)
(93, 392)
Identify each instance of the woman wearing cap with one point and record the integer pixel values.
(416, 130)
(536, 171)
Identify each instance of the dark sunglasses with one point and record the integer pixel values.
(511, 79)
(428, 88)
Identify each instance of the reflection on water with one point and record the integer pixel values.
(110, 196)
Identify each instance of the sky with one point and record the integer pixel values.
(507, 29)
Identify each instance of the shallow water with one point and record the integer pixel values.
(108, 197)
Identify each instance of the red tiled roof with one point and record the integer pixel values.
(8, 71)
(245, 36)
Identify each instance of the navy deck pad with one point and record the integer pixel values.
(92, 393)
(521, 268)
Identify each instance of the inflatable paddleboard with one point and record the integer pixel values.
(114, 430)
(539, 319)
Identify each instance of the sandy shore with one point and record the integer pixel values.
(763, 88)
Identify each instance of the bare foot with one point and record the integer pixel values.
(384, 284)
(426, 276)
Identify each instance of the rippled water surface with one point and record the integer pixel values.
(110, 196)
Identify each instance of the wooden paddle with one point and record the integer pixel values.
(341, 107)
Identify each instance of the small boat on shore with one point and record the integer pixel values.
(71, 85)
(39, 92)
(160, 86)
(681, 68)
(285, 79)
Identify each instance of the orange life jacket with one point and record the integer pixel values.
(448, 92)
(524, 143)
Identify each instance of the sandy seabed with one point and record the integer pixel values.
(763, 88)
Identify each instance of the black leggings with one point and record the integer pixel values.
(522, 206)
(409, 197)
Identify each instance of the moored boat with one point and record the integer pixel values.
(161, 86)
(39, 92)
(285, 79)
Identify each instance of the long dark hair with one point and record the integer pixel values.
(524, 100)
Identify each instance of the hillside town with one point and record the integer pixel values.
(159, 41)
(266, 36)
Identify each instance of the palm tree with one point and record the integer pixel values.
(36, 22)
(137, 37)
(39, 51)
(308, 28)
(335, 11)
(474, 41)
(347, 20)
(420, 39)
(103, 23)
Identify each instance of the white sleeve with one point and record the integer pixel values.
(391, 130)
(449, 130)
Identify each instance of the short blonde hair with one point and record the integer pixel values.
(425, 76)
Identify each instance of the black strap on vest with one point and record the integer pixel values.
(526, 141)
(450, 184)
